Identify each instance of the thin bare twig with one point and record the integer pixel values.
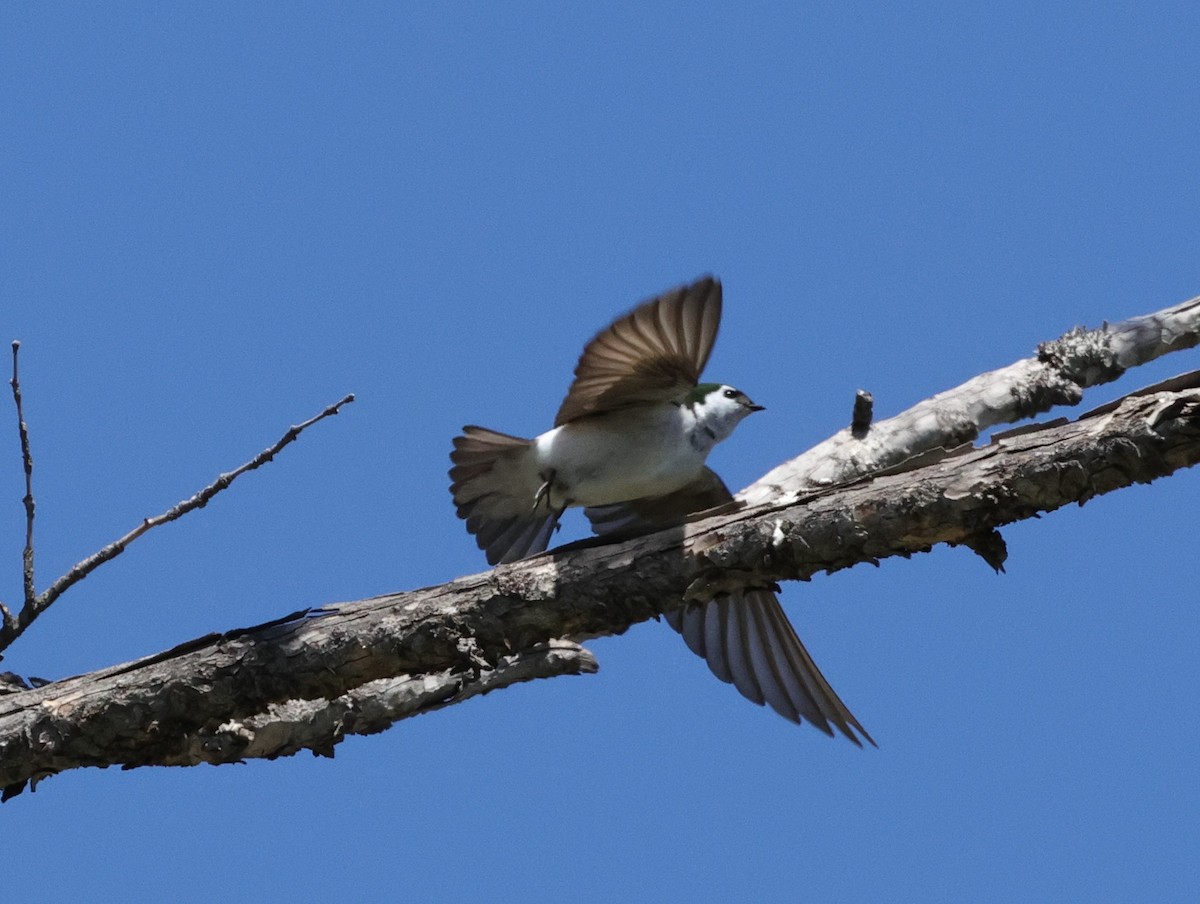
(39, 603)
(27, 461)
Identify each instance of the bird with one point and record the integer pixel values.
(629, 445)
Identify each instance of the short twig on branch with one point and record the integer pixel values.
(35, 603)
(864, 410)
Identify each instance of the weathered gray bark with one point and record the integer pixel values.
(892, 488)
(226, 697)
(1057, 375)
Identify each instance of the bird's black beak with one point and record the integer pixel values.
(754, 407)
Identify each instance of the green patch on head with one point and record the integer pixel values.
(700, 392)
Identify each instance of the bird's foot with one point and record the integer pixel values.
(543, 492)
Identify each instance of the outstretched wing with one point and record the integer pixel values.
(747, 641)
(655, 353)
(745, 638)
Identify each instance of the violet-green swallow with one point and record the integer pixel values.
(629, 446)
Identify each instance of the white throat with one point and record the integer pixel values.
(716, 417)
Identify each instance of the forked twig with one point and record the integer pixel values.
(35, 603)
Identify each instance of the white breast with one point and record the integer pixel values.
(620, 456)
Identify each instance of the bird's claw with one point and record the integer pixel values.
(543, 491)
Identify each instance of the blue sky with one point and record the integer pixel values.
(218, 220)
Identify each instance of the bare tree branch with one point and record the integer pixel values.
(194, 703)
(36, 604)
(1057, 375)
(306, 680)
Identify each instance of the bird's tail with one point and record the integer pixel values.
(495, 484)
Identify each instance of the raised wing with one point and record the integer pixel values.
(745, 638)
(655, 353)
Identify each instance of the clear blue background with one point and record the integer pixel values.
(218, 220)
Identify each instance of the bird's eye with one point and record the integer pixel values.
(731, 393)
